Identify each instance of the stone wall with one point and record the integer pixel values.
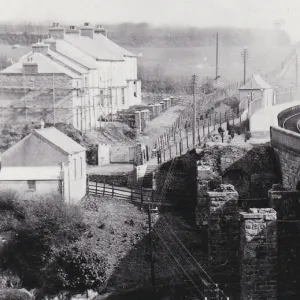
(286, 145)
(36, 81)
(252, 170)
(286, 204)
(223, 237)
(258, 254)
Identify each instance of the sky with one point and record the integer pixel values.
(201, 13)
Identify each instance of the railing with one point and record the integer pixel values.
(139, 195)
(285, 138)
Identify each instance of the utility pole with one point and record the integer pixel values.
(25, 100)
(217, 57)
(245, 56)
(296, 84)
(194, 109)
(150, 247)
(53, 99)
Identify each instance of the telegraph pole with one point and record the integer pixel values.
(194, 109)
(150, 247)
(217, 57)
(53, 99)
(245, 56)
(296, 84)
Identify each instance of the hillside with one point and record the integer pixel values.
(146, 35)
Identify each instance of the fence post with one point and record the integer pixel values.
(199, 140)
(142, 196)
(131, 195)
(220, 119)
(176, 148)
(187, 139)
(164, 154)
(87, 184)
(112, 189)
(180, 146)
(203, 128)
(104, 188)
(170, 152)
(96, 187)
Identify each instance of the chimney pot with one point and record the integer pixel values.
(87, 30)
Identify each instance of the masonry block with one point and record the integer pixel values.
(258, 254)
(286, 204)
(223, 238)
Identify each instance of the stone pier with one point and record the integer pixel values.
(258, 254)
(286, 204)
(223, 238)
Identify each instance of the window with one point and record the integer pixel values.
(81, 167)
(123, 96)
(85, 81)
(31, 185)
(74, 168)
(134, 94)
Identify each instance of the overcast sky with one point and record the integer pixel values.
(201, 13)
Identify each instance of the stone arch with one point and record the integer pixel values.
(241, 181)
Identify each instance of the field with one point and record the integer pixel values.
(13, 54)
(183, 62)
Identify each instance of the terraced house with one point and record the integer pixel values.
(75, 76)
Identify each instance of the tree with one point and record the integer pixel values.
(73, 270)
(45, 251)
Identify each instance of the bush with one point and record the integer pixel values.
(43, 226)
(14, 294)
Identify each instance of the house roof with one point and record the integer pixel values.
(45, 66)
(66, 62)
(30, 173)
(72, 52)
(59, 139)
(111, 46)
(93, 48)
(256, 83)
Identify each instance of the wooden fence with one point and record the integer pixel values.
(138, 195)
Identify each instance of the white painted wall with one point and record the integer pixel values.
(76, 172)
(43, 187)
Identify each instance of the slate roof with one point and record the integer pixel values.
(111, 46)
(59, 139)
(256, 83)
(45, 66)
(93, 47)
(72, 52)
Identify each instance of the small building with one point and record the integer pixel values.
(32, 180)
(167, 102)
(255, 94)
(60, 162)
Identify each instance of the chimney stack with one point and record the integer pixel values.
(100, 30)
(51, 42)
(87, 30)
(73, 30)
(40, 47)
(30, 67)
(56, 31)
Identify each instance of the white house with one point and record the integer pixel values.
(45, 161)
(99, 76)
(255, 95)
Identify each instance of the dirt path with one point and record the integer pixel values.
(160, 124)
